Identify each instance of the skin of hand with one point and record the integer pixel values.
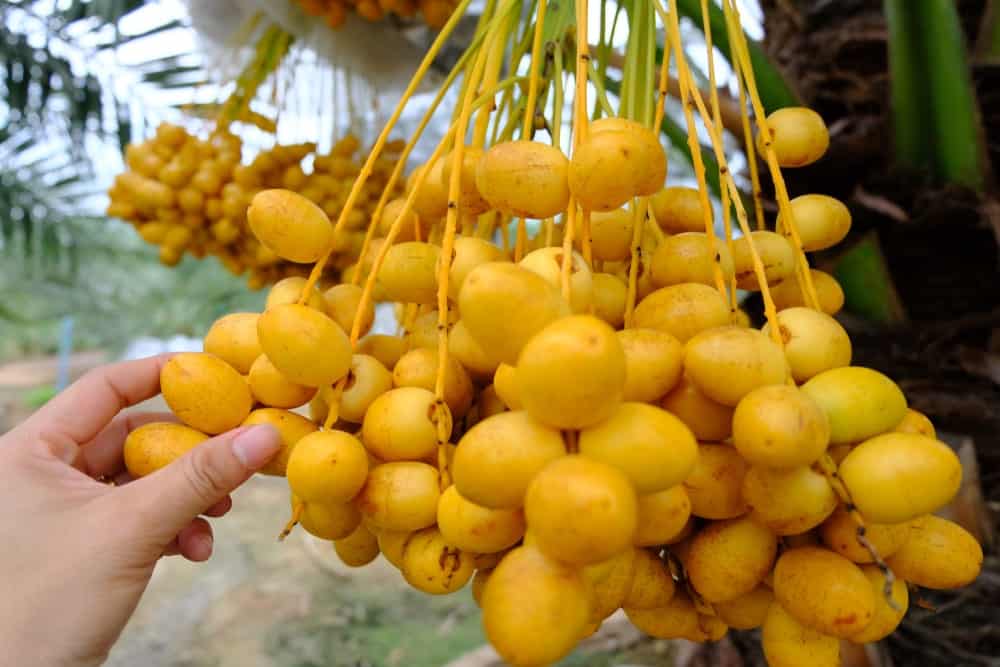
(76, 553)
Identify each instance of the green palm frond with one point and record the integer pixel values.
(59, 97)
(60, 120)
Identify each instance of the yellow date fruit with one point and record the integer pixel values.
(503, 305)
(899, 476)
(652, 363)
(789, 501)
(727, 363)
(662, 516)
(535, 609)
(886, 619)
(433, 566)
(938, 554)
(682, 310)
(778, 426)
(859, 402)
(789, 643)
(652, 447)
(304, 344)
(291, 428)
(475, 528)
(824, 591)
(728, 559)
(581, 511)
(205, 392)
(526, 179)
(357, 549)
(571, 374)
(289, 224)
(153, 446)
(400, 496)
(498, 457)
(715, 486)
(327, 467)
(233, 338)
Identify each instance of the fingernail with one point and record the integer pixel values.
(256, 446)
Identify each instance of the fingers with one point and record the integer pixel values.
(220, 508)
(216, 511)
(81, 411)
(102, 456)
(167, 500)
(172, 549)
(195, 541)
(122, 478)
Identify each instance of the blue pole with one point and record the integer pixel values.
(65, 350)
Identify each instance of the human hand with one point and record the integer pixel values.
(77, 553)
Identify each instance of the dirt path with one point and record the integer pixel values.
(259, 603)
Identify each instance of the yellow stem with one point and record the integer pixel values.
(829, 469)
(489, 80)
(297, 507)
(717, 119)
(333, 409)
(692, 130)
(689, 91)
(748, 142)
(781, 191)
(486, 225)
(536, 57)
(663, 91)
(520, 239)
(640, 206)
(586, 241)
(397, 225)
(440, 416)
(567, 258)
(410, 313)
(383, 137)
(443, 468)
(581, 119)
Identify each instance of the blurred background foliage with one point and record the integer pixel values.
(68, 105)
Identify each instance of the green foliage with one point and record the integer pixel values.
(38, 397)
(640, 72)
(58, 99)
(934, 110)
(41, 184)
(353, 625)
(775, 91)
(58, 254)
(118, 291)
(868, 288)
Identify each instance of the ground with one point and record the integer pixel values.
(260, 603)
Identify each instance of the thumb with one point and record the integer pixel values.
(179, 492)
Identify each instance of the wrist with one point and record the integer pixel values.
(28, 639)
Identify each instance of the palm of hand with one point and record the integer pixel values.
(79, 552)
